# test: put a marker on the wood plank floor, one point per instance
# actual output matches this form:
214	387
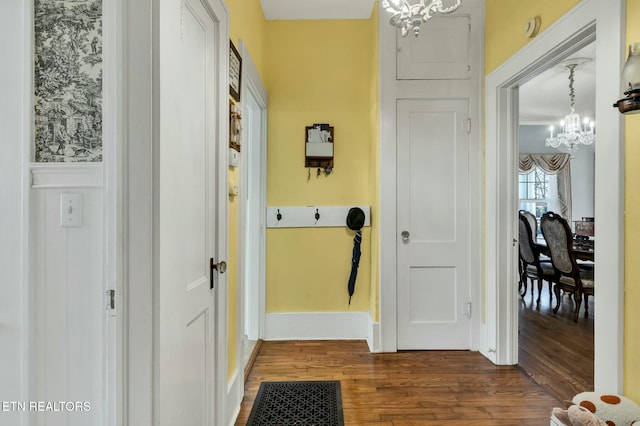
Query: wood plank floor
442	387
555	351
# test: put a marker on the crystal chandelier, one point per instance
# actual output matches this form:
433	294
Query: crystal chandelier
574	131
410	14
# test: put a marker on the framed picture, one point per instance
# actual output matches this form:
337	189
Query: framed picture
235	71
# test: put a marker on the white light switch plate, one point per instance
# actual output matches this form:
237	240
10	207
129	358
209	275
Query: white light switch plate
70	210
234	158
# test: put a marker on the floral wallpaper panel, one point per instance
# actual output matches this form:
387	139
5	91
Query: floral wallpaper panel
68	80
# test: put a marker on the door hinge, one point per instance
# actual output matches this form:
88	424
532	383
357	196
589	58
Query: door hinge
468	125
111	299
469	309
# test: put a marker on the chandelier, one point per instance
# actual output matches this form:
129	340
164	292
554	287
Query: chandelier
574	131
410	14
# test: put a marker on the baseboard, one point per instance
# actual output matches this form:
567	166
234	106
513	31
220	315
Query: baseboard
317	326
252	360
373	336
235	392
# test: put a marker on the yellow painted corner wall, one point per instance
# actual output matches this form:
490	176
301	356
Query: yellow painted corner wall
232	281
504	20
632	230
374	190
318	72
246	23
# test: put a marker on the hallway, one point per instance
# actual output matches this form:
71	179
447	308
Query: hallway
406	388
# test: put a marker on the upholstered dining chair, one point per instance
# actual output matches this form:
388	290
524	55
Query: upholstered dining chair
531	268
569	277
533	222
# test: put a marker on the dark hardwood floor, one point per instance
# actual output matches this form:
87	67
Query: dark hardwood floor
555	351
443	387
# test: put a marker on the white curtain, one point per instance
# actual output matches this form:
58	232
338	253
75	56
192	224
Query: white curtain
554	164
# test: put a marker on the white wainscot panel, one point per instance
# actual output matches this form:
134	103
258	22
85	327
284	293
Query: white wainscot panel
69	316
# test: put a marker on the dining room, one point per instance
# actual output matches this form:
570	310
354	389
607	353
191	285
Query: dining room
556	181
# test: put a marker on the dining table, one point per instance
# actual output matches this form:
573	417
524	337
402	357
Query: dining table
582	249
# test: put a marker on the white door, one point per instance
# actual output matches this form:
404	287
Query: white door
433	291
186	228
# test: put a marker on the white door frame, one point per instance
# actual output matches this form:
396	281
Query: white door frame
571	32
251	83
114	171
138	329
391	90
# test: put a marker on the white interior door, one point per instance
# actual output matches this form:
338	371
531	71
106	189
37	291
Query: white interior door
187	197
433	291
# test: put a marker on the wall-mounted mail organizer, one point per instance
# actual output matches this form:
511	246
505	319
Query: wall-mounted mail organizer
318	146
311	216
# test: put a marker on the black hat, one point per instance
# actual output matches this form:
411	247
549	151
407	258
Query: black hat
355	218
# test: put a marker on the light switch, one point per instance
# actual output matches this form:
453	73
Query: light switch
234	158
70	210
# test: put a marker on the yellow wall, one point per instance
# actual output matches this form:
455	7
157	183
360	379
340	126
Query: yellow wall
374	189
246	23
318	72
632	230
504	37
505	21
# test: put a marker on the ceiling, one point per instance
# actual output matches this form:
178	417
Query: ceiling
545	98
317	9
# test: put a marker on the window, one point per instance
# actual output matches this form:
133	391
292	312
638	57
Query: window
536	192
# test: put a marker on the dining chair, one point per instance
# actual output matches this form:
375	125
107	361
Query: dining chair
568	277
533	222
531	267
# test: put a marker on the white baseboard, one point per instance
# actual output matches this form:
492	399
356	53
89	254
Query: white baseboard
373	336
235	393
317	326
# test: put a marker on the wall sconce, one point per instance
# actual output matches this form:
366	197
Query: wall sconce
631	80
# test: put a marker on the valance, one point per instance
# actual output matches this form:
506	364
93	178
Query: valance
555	164
550	163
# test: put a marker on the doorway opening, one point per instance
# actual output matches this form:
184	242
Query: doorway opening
572	32
553	350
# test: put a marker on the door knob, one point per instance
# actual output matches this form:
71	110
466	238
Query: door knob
405	236
220	267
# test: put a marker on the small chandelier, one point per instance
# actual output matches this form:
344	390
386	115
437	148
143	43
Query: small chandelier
410	14
574	132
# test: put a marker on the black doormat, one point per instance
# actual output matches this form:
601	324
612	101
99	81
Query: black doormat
317	403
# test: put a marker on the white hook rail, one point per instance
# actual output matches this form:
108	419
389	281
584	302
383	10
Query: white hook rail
305	216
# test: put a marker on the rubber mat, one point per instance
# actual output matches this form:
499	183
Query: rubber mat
315	403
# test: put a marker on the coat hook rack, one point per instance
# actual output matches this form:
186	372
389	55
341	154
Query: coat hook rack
310	216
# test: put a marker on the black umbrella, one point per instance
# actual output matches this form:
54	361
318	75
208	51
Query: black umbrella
355	221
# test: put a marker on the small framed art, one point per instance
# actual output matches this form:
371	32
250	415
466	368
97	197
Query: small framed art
235	72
